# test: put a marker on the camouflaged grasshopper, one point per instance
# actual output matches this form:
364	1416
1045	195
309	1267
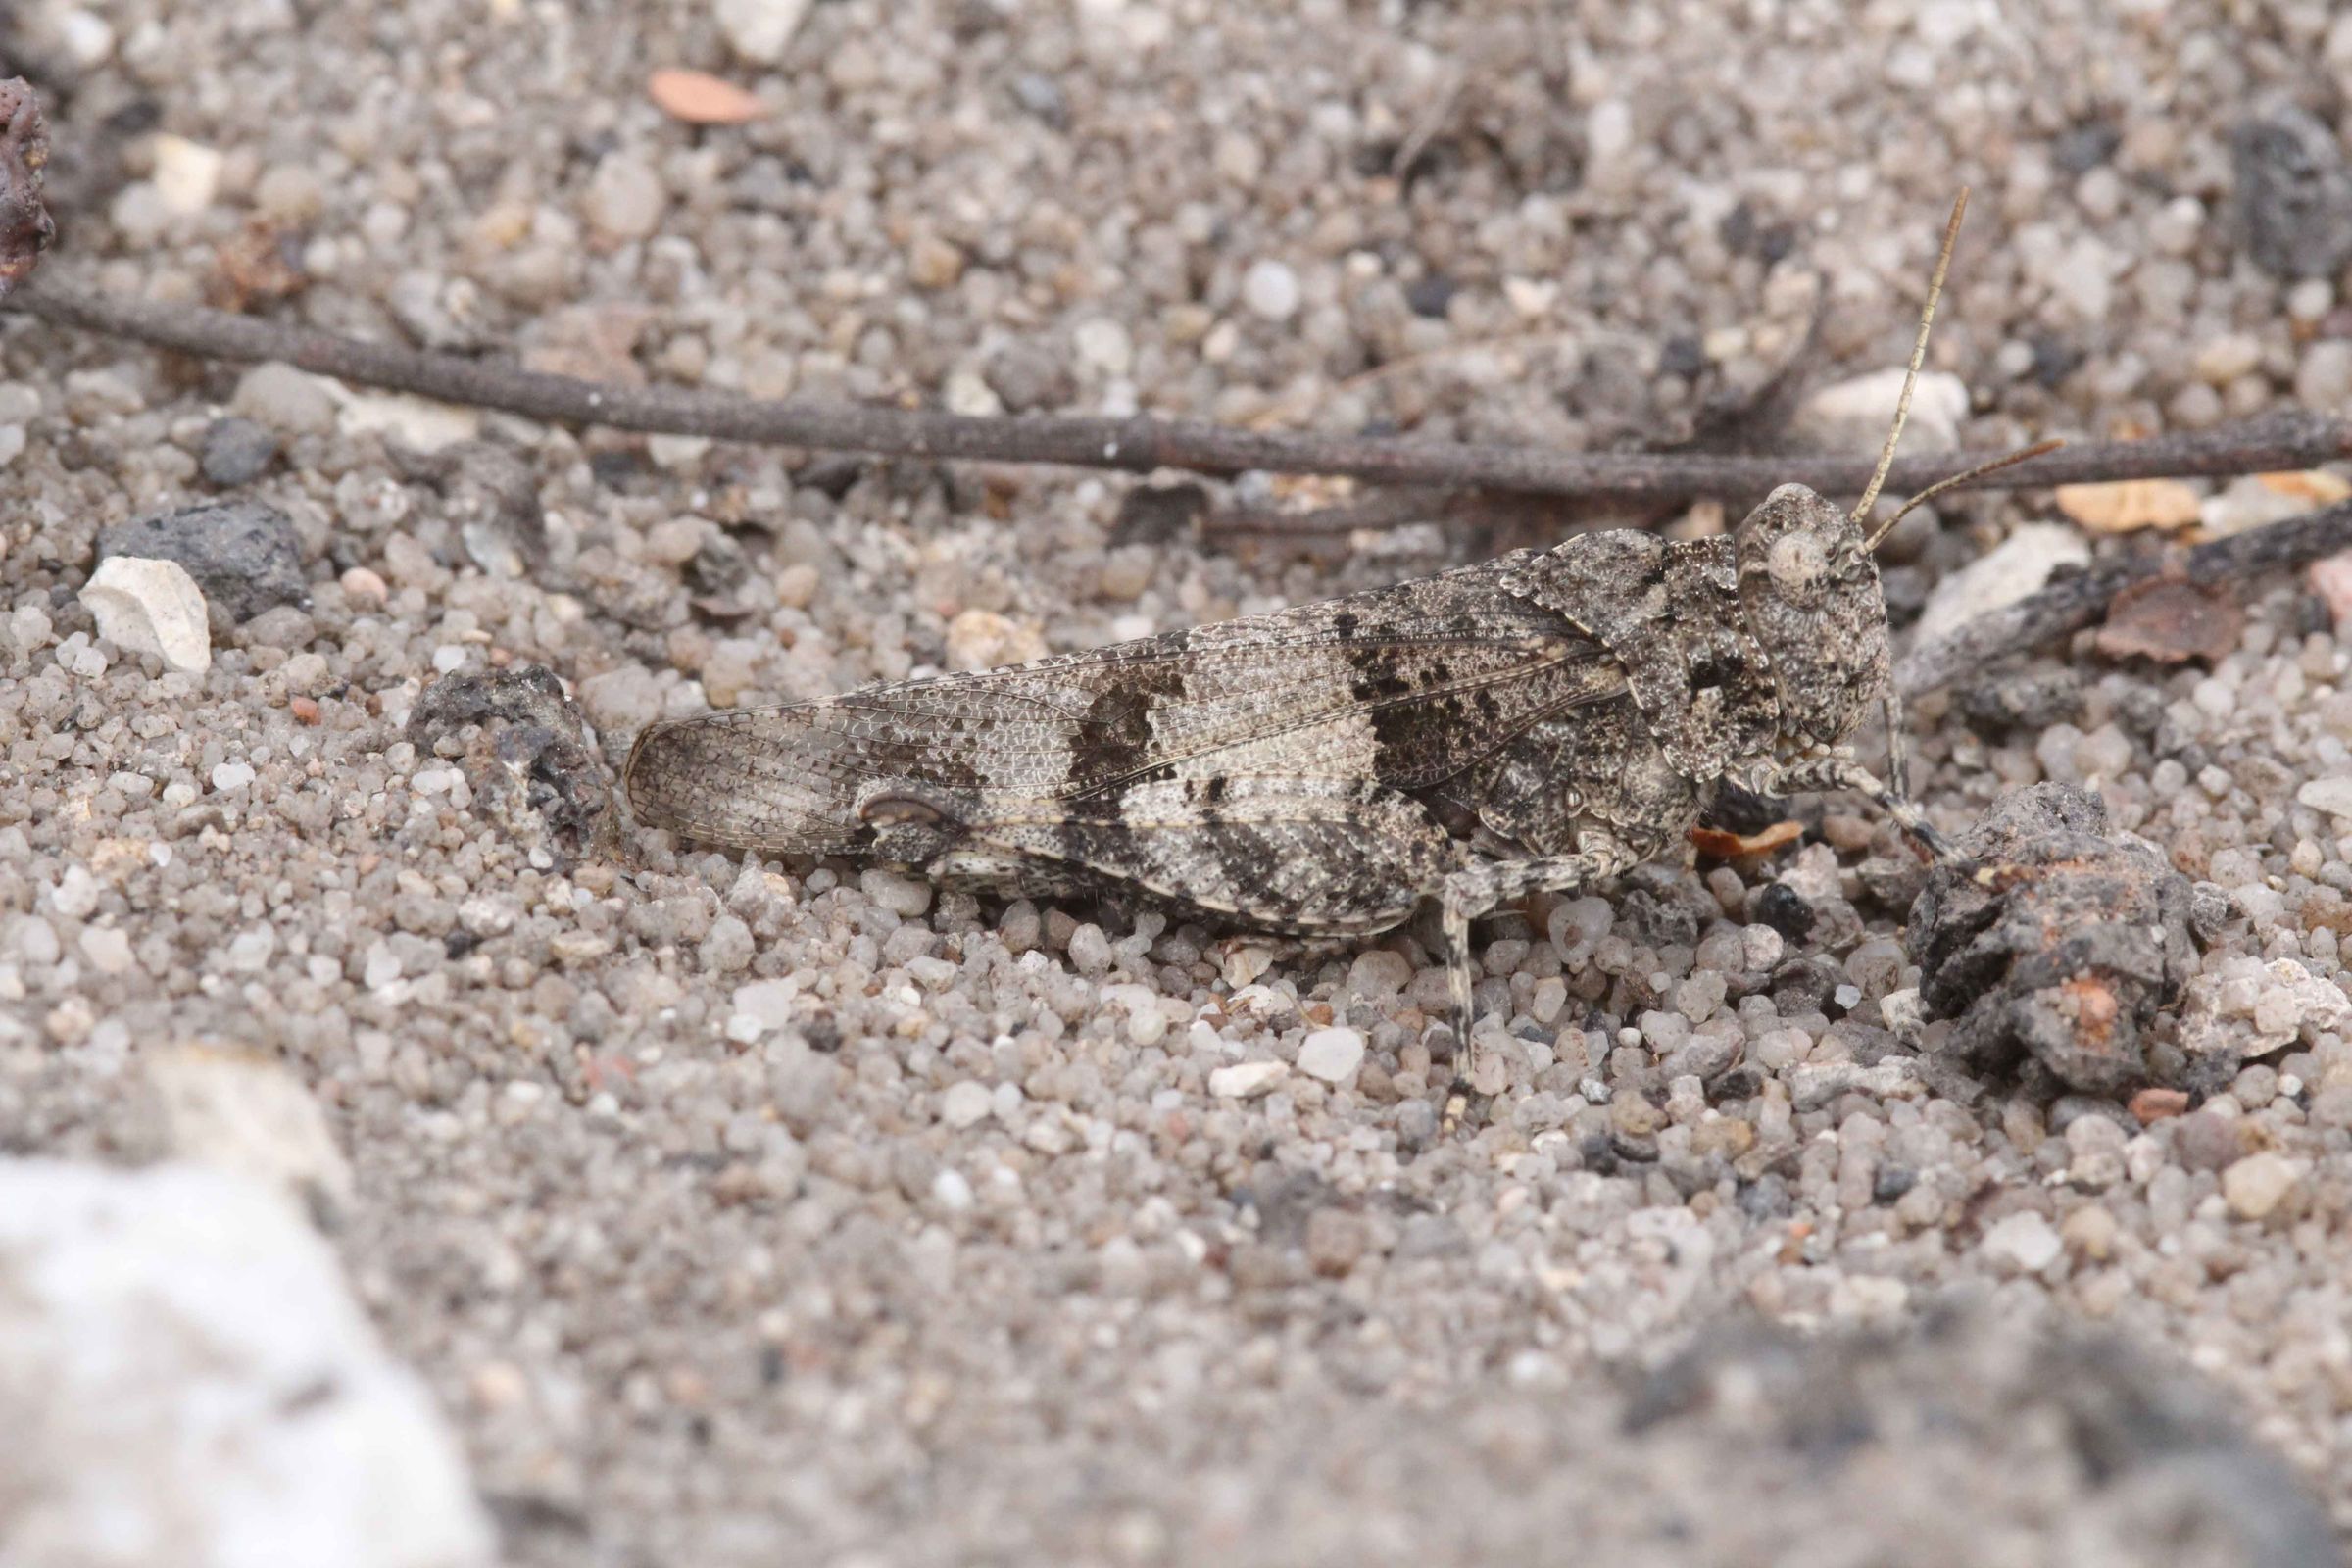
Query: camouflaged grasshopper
1539	722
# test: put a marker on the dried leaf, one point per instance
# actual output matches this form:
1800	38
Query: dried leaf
2130	504
2315	485
701	99
2171	621
1725	845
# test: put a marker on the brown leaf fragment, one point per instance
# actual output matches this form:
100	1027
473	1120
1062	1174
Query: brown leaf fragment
2130	504
2171	621
26	228
1725	845
701	99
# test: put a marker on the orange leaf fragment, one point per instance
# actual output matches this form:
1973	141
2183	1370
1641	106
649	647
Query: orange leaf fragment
2315	485
701	99
1725	845
2130	504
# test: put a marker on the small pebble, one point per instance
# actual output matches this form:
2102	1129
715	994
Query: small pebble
2331	794
965	1104
1090	950
236	451
1245	1079
758	30
903	896
285	399
2023	1242
1332	1055
1271	290
2257	1184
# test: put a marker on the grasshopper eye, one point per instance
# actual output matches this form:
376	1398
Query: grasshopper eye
1796	560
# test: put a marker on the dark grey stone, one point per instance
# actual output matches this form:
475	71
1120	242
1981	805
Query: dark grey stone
236	452
243	554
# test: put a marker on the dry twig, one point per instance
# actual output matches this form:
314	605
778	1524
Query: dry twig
2074	603
2289	440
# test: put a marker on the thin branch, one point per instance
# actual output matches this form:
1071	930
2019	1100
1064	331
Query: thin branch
2074	603
2289	440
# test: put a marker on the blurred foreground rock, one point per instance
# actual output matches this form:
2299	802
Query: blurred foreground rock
186	1383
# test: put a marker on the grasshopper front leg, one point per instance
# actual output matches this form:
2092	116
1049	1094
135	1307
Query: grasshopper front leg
1479	890
1832	772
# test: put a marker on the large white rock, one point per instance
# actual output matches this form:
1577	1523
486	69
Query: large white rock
2020	564
151	607
242	1112
185	1383
1854	415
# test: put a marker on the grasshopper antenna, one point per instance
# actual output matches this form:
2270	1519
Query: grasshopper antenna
2037	449
1919	356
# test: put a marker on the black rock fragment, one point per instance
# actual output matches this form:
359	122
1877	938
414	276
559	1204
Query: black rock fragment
2046	940
243	554
235	452
527	758
2294	194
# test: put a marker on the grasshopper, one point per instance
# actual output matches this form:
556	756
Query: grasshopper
1541	722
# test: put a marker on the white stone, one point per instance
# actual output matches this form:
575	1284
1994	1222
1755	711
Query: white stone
2024	1242
185	1378
250	949
228	776
2019	565
1856	415
2256	1185
417	423
89	39
2330	795
625	197
1244	1079
1332	1055
903	896
285	399
763	1006
965	1104
758	30
75	898
1271	290
951	1192
187	173
108	948
1103	344
151	607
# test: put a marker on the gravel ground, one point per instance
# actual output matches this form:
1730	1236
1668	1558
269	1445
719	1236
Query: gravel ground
746	1212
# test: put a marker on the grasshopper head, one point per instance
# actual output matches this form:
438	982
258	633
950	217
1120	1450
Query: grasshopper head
1809	592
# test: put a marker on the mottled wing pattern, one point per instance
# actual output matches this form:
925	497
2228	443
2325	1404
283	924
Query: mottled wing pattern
1308	855
1403	686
